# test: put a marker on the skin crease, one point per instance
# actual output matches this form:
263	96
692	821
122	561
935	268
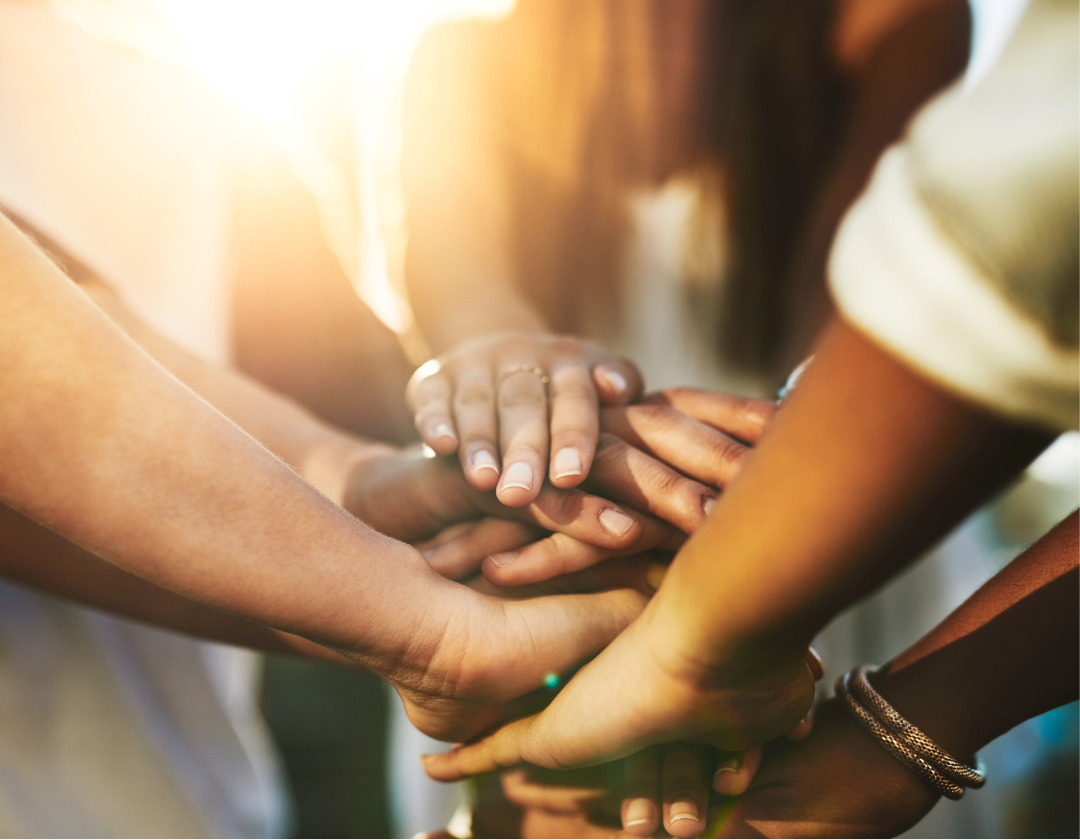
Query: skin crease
866	465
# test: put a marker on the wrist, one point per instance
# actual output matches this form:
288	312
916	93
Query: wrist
940	705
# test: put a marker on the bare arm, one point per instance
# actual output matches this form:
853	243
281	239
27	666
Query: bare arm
101	445
1006	654
866	465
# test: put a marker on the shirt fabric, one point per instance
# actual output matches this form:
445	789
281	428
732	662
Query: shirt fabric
961	258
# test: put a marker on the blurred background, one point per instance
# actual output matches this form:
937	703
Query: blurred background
324	81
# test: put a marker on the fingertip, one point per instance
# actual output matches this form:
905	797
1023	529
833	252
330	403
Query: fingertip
817	666
482	470
567	468
619	525
441	438
640	816
518	485
611	385
684	823
802	730
729	780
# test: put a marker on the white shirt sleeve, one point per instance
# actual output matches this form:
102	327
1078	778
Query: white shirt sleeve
961	256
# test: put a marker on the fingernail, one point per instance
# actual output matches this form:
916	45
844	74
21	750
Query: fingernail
567	462
708	505
484	460
731	764
655	575
504	559
616	522
428	553
684	811
518	475
615	380
638	812
443	430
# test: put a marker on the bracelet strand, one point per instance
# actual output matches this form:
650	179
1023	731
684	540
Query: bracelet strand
895	745
955	770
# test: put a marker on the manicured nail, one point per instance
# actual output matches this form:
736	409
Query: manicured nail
616	522
615	380
638	812
443	430
484	460
567	462
684	811
708	505
518	475
655	575
505	558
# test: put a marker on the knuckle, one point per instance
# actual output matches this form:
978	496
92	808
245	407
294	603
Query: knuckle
474	393
518	397
728	456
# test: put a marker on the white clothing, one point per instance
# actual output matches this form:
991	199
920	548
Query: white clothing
961	258
108	727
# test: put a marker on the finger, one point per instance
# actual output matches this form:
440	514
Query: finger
575	424
559	554
586	517
503	748
464	550
735	771
692	447
431	407
625	473
746	418
802	729
684	784
813	660
523	434
618	381
641	805
477	429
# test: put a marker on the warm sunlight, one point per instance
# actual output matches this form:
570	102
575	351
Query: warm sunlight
269	55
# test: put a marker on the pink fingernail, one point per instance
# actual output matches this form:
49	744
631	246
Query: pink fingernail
616	522
638	812
443	430
687	811
615	380
518	475
709	505
566	462
505	558
484	460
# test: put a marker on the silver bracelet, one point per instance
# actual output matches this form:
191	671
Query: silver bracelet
921	755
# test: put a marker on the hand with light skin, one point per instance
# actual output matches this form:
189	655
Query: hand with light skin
102	446
669	456
488	400
865	466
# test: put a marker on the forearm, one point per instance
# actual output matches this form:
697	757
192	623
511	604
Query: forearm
103	447
1006	654
34	556
321	453
866	465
